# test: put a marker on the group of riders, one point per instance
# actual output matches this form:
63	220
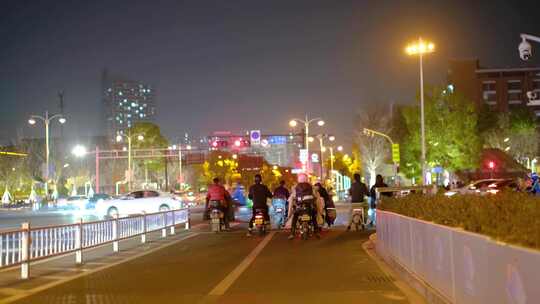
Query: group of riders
314	197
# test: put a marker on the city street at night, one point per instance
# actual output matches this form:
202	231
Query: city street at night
248	151
203	267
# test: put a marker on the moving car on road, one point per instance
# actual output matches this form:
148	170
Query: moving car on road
137	202
484	186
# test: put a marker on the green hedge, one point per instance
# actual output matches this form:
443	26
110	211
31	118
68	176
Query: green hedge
510	217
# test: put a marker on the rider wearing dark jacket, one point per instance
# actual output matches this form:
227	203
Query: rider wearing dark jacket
259	193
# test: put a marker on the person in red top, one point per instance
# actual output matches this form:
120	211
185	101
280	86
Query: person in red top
216	192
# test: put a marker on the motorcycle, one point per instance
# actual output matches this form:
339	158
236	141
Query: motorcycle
216	216
304	225
260	223
278	206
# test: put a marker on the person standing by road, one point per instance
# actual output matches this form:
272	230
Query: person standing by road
357	192
259	194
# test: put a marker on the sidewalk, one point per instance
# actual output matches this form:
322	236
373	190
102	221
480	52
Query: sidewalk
54	271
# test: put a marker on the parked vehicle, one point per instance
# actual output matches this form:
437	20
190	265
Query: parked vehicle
137	202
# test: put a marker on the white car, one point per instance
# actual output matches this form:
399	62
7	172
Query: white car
137	202
476	187
72	202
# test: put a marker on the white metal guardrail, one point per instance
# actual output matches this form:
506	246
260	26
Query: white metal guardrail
463	267
22	246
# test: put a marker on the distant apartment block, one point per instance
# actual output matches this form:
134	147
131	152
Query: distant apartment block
126	102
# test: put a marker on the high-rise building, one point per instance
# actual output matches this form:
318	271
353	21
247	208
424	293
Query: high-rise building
126	102
498	88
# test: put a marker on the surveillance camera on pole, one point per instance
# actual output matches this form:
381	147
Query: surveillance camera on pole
525	48
534	98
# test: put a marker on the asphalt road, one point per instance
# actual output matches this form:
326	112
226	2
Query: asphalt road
233	268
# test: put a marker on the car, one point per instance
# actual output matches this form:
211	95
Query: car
98	197
137	202
71	202
477	187
502	185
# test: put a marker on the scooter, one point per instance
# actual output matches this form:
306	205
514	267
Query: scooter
260	223
278	206
358	217
216	216
304	225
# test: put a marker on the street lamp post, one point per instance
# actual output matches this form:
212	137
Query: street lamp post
420	48
339	148
321	137
129	136
81	151
46	121
180	164
370	132
306	122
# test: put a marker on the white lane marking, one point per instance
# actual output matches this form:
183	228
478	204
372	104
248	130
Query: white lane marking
222	287
82	274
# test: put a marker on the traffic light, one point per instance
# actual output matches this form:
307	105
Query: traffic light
491	165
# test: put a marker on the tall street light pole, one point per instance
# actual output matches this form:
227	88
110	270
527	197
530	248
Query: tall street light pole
321	137
46	121
420	48
339	148
129	136
294	122
180	163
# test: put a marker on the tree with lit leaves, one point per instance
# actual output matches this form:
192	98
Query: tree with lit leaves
514	132
152	139
374	150
452	139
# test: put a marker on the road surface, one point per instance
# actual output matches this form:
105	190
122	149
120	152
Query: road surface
203	267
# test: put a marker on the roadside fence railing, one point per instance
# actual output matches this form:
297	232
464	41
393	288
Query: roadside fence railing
28	244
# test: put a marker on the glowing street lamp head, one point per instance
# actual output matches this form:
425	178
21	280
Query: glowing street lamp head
340	148
237	143
293	123
311	139
140	138
332	138
118	138
62	120
320	123
323	149
235	156
79	151
32	121
188	147
420	47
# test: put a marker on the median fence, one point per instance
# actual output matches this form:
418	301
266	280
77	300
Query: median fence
28	244
463	267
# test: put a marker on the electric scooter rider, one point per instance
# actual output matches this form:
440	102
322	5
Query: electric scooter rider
303	191
259	193
281	192
217	193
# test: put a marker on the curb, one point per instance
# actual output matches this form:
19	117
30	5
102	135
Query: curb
430	295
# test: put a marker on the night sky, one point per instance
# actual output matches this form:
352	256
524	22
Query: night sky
240	65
